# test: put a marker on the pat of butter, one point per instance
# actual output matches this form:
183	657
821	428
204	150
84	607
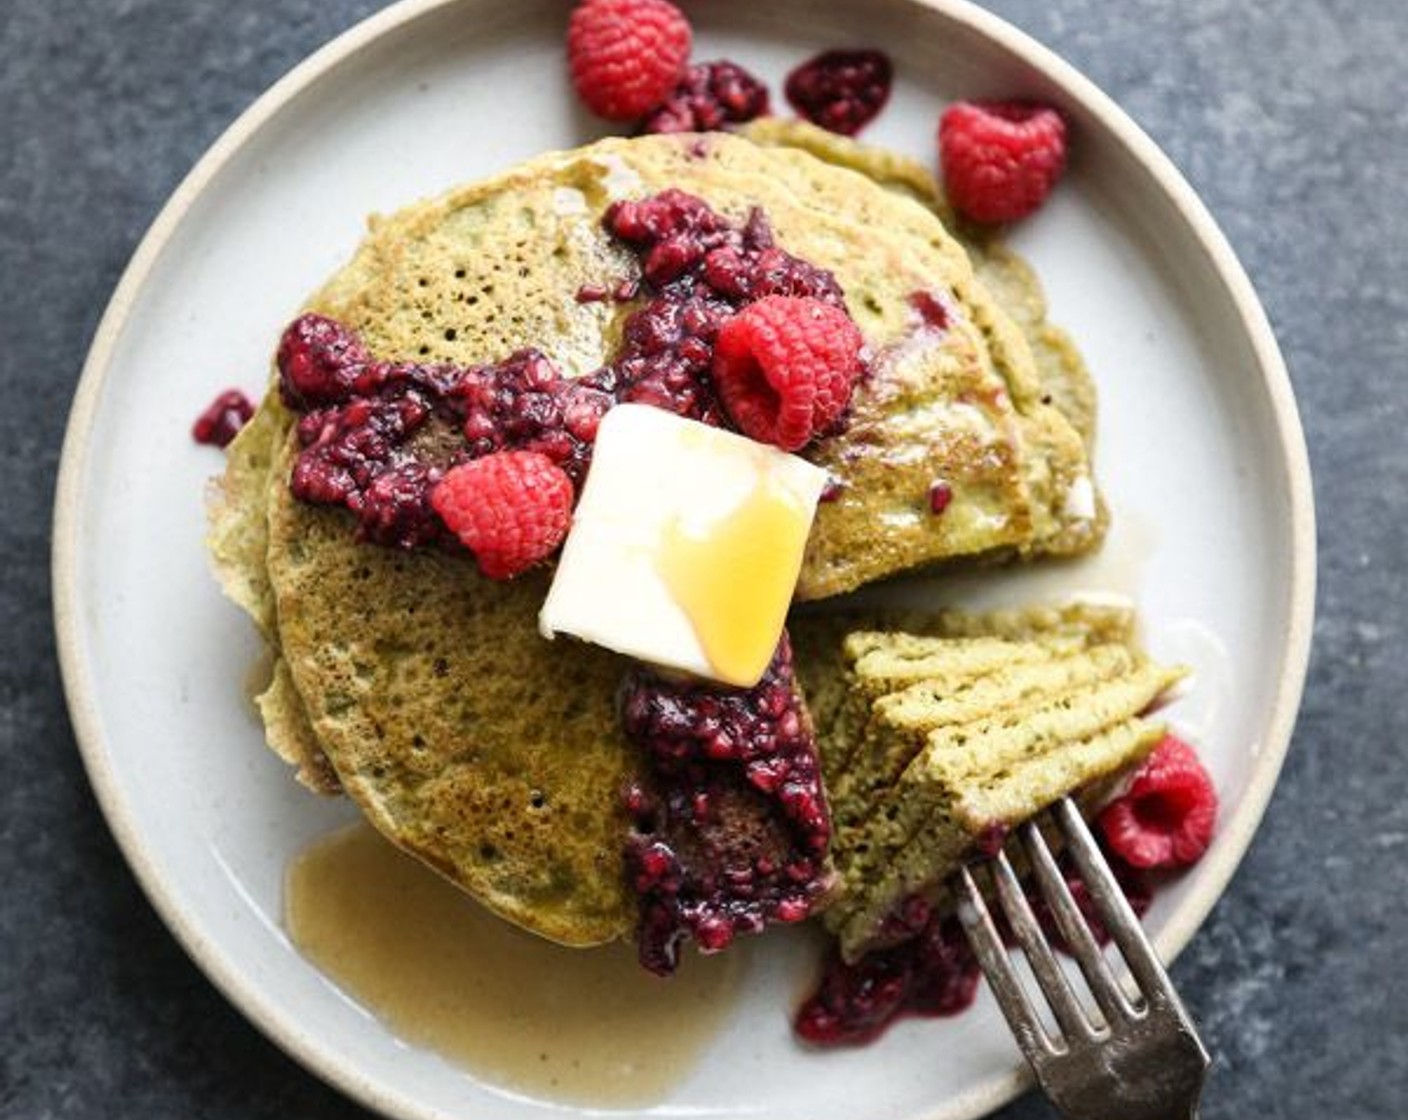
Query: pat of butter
685	546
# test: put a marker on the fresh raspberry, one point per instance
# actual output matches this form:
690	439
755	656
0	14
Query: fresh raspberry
626	55
710	96
1166	818
511	509
785	367
841	91
1000	158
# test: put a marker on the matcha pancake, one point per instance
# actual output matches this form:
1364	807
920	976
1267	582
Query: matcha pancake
954	399
894	720
910	669
819	638
947	744
458	739
978	809
935	752
1007	278
424	690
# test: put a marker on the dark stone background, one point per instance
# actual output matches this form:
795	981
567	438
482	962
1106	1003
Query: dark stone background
1288	118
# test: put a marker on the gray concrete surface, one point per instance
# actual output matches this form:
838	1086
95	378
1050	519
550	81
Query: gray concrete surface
1288	118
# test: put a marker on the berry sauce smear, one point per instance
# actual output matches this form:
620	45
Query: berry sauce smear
710	96
934	973
377	436
699	269
925	967
731	829
841	91
222	419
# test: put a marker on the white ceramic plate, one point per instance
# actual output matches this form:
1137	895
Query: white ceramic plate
1201	457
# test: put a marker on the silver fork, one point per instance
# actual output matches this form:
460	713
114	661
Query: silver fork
1140	1058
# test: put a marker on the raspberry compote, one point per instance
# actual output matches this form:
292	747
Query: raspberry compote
222	419
731	828
925	967
376	436
710	96
933	973
841	90
698	269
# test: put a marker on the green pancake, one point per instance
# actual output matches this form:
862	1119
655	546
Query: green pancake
1008	279
968	725
423	690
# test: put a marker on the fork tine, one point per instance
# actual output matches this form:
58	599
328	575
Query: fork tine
1049	976
1138	1066
1110	901
1071	922
997	968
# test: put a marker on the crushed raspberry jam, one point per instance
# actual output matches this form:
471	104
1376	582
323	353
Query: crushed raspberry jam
842	90
376	436
934	973
926	967
222	419
934	309
731	828
993	836
699	269
710	96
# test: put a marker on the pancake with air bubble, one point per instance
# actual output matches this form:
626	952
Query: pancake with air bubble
425	689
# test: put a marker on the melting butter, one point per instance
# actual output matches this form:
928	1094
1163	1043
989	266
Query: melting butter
579	1026
734	577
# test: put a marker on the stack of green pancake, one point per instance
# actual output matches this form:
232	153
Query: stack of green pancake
425	692
940	741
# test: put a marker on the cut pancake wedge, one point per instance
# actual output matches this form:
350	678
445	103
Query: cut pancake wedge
959	732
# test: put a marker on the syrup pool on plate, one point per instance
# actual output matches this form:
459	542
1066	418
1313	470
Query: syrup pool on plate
581	1026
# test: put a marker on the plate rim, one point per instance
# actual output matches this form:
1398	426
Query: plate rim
1236	831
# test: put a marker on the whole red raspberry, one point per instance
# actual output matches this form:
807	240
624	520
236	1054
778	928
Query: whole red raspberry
785	367
1000	159
626	55
1166	819
511	509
